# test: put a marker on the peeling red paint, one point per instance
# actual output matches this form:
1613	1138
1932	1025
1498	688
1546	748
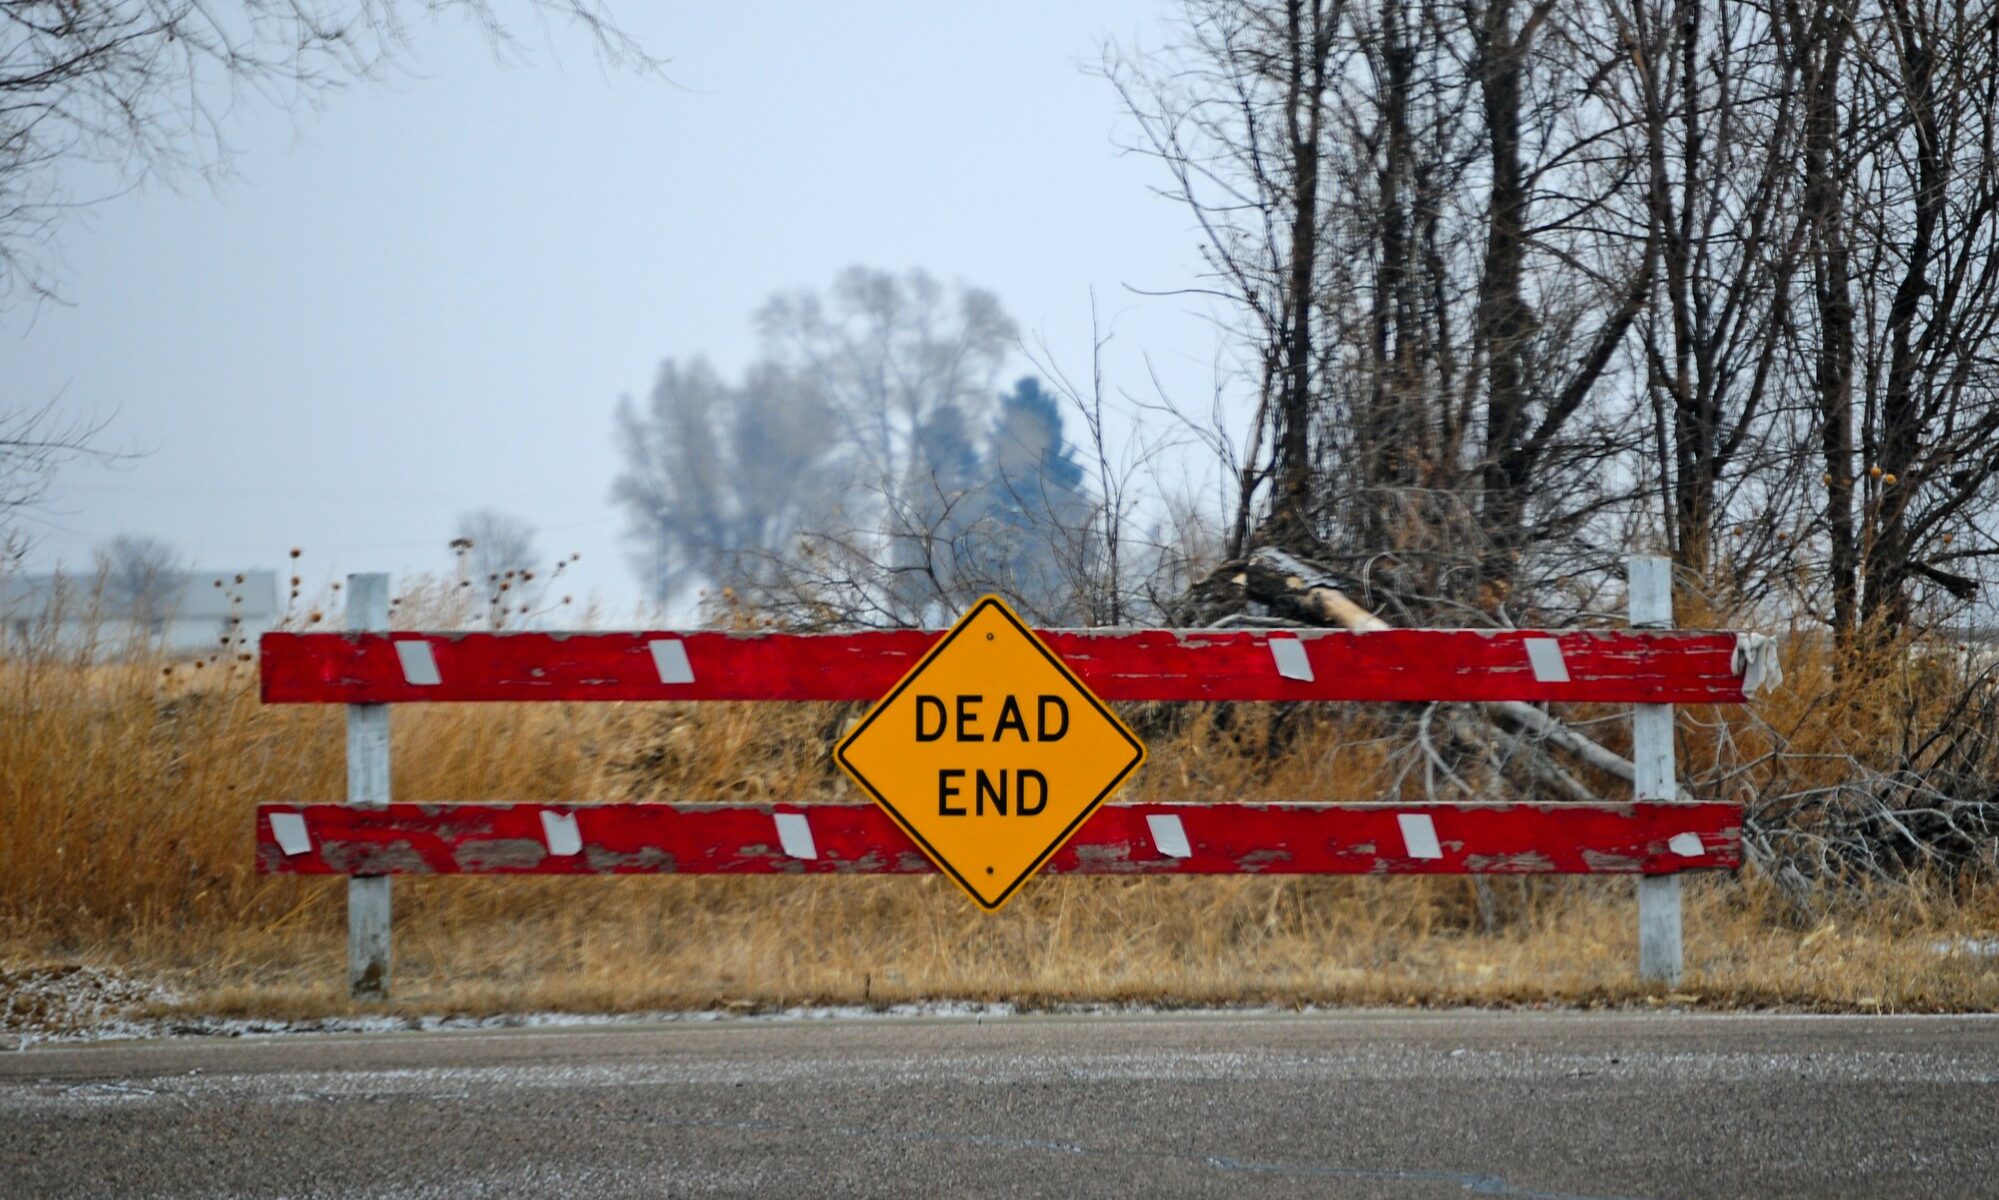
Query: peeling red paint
494	855
1599	861
1224	839
1530	862
650	860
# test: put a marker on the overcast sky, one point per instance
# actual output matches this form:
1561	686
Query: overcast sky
428	296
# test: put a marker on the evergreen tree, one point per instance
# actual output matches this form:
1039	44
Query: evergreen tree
1038	511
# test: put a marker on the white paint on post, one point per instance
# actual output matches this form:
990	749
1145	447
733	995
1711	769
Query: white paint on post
1289	655
1419	835
1169	835
1659	947
560	832
1686	845
290	830
419	664
794	836
1655	778
1544	655
669	658
368	787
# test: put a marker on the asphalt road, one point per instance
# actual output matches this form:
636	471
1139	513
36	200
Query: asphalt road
1342	1104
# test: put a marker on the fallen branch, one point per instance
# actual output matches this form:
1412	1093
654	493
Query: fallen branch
1278	578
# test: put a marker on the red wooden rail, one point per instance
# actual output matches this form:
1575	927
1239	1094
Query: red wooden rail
1634	667
1119	839
1652	667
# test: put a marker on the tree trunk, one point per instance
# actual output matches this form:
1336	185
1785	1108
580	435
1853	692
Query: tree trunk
1820	43
1885	601
1291	519
1504	323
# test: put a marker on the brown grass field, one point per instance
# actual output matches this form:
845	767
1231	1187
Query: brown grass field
126	797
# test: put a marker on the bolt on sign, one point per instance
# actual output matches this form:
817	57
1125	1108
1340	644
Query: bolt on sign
990	753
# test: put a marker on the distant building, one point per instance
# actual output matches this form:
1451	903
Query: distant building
185	613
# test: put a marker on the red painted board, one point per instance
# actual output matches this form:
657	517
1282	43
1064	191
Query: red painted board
1628	667
1119	839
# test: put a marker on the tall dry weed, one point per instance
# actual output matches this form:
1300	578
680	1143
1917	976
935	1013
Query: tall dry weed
127	791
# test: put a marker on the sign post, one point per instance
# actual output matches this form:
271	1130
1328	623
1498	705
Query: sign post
368	787
990	753
1655	778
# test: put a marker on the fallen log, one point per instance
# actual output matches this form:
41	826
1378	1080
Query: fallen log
1280	579
1277	578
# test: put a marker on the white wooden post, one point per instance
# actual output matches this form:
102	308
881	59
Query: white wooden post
1655	778
368	785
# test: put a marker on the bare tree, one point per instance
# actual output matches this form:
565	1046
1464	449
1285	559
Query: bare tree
1713	276
719	479
909	370
496	544
1928	199
1414	207
1820	37
497	560
144	576
98	95
868	470
1889	339
33	443
900	361
1236	113
1723	127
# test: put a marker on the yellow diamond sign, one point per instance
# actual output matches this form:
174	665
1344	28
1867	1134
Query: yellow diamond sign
990	753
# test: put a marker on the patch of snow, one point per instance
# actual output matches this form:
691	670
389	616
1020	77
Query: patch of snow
114	1028
44	1003
1970	947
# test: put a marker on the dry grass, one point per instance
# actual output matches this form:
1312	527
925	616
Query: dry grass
126	794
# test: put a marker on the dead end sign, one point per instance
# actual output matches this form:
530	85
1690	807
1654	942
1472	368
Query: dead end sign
990	753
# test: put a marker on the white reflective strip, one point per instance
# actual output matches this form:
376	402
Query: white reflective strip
289	829
1169	835
669	658
794	833
1686	845
1291	661
1545	656
419	664
560	832
1419	835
